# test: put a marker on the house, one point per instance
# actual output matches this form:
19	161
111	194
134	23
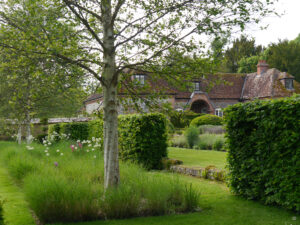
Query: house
265	83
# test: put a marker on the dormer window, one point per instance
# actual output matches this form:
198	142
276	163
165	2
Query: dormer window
196	86
289	84
139	79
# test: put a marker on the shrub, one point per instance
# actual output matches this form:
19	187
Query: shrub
143	139
192	136
40	138
207	119
95	129
76	131
167	163
218	145
211	129
264	150
54	129
182	119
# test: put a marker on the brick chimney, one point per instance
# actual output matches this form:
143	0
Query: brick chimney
262	67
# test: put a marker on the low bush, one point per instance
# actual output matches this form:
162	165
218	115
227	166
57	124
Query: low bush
167	163
192	136
264	150
211	129
53	131
41	137
207	119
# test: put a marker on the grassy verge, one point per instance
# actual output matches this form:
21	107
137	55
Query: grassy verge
198	158
16	210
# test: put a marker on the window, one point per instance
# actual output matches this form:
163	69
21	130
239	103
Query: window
289	83
196	86
219	112
139	79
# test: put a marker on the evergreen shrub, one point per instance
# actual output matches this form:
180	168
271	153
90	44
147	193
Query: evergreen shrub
264	150
207	119
143	139
77	131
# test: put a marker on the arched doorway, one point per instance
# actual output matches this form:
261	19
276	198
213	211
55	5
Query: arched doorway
200	106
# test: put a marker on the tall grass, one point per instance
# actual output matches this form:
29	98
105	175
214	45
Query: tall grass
69	187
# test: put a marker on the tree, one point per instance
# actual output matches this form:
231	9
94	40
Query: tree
121	34
241	48
285	56
31	86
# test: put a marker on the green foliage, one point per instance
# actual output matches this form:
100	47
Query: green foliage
95	129
143	139
1	212
76	131
54	129
211	142
264	150
242	48
248	64
73	190
41	137
211	129
207	119
182	119
192	136
179	141
285	56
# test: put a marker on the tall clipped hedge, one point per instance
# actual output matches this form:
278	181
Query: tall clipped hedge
143	139
77	131
264	150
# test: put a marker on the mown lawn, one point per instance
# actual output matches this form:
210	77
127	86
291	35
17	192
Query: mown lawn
198	158
218	205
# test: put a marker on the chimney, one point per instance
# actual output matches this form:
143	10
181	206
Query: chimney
262	67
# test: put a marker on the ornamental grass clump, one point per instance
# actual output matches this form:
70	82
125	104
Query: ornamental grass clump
69	187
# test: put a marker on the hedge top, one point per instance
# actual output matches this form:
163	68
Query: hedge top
207	119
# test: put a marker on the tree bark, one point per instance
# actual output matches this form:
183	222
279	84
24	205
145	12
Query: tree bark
110	102
28	129
19	136
111	153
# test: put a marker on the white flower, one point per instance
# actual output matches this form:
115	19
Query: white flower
57	150
93	149
95	156
93	138
61	154
47	154
78	141
46	150
87	150
75	147
89	145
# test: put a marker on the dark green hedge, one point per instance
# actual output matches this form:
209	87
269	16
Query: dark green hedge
264	150
77	131
143	139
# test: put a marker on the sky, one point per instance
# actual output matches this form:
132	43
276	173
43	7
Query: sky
284	27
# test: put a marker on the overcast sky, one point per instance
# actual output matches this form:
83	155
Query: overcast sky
285	27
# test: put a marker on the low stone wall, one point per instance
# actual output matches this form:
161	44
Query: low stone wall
210	172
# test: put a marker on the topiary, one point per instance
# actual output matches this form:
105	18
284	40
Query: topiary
207	119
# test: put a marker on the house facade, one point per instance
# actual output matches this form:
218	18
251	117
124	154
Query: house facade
230	89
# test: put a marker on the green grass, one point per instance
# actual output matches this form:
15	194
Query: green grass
219	207
16	211
198	158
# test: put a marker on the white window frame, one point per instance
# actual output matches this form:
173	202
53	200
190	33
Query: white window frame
219	112
196	86
289	83
139	79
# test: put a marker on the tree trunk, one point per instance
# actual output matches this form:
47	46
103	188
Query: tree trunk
110	102
19	136
111	153
28	129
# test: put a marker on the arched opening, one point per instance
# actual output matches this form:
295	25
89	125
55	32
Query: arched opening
200	106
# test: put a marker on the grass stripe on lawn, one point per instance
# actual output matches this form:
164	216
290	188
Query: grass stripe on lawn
16	210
